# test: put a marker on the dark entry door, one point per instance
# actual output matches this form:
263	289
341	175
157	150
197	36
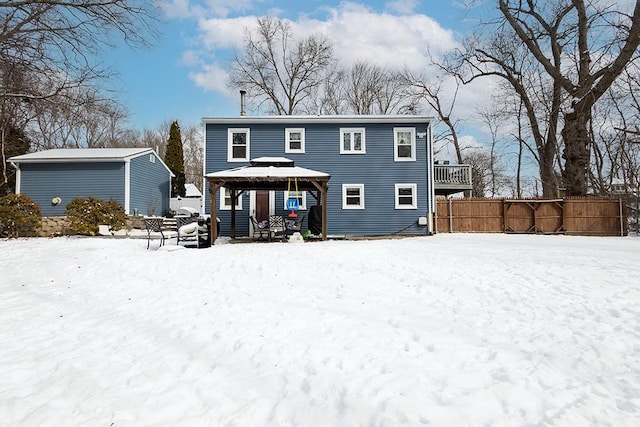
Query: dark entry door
262	205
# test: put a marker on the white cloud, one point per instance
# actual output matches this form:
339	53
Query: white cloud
211	77
221	33
357	32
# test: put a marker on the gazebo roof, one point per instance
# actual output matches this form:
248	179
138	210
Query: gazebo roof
268	173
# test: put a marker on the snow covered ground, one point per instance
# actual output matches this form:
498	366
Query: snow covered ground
448	330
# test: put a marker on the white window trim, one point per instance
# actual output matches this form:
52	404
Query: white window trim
344	196
414	196
223	207
303	197
287	146
230	133
413	145
352	131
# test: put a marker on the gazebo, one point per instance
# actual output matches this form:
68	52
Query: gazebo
267	173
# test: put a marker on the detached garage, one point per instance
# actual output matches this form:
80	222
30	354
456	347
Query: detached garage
135	177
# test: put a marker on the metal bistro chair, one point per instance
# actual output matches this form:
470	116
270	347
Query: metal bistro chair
259	233
155	226
293	225
276	227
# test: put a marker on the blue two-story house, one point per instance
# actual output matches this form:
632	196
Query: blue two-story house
372	174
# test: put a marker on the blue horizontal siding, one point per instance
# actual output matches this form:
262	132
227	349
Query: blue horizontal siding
150	186
376	170
44	181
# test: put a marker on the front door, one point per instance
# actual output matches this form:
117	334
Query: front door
262	205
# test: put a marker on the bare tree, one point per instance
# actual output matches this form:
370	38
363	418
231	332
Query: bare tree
193	155
540	99
433	90
616	129
48	51
79	118
58	39
480	171
493	120
156	138
365	88
582	47
280	71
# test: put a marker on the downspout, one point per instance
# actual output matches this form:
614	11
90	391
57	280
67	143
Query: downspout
18	176
203	201
433	212
127	186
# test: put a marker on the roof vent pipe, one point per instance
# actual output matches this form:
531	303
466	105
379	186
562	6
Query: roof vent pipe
242	96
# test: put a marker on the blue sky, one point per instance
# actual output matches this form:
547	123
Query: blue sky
183	75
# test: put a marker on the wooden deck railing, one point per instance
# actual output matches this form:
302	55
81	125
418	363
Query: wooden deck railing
452	178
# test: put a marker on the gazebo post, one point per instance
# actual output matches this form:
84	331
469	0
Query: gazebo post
213	189
323	198
234	198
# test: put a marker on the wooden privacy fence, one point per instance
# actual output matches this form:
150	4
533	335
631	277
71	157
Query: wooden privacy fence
580	216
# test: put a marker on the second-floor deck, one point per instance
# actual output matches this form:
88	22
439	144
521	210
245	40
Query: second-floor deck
450	179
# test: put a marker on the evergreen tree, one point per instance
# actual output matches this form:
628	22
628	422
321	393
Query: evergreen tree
174	159
13	142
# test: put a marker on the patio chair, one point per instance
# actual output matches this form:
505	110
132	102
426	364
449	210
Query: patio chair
293	225
156	229
276	227
259	233
189	231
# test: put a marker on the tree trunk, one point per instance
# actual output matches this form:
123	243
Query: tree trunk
547	171
576	151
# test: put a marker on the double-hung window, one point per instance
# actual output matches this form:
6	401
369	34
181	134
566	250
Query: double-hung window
406	196
404	144
225	200
294	140
352	141
352	196
238	145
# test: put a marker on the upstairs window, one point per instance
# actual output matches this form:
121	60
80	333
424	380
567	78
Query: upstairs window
238	145
294	140
225	200
352	196
352	141
404	141
406	196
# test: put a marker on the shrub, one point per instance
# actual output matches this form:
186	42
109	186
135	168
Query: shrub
18	215
85	214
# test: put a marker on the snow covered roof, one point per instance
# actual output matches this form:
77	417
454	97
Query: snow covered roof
277	172
81	155
192	191
268	168
321	119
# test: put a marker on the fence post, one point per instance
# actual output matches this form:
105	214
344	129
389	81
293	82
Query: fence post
621	219
450	216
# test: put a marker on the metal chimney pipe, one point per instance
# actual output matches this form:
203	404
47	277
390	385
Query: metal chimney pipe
243	93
